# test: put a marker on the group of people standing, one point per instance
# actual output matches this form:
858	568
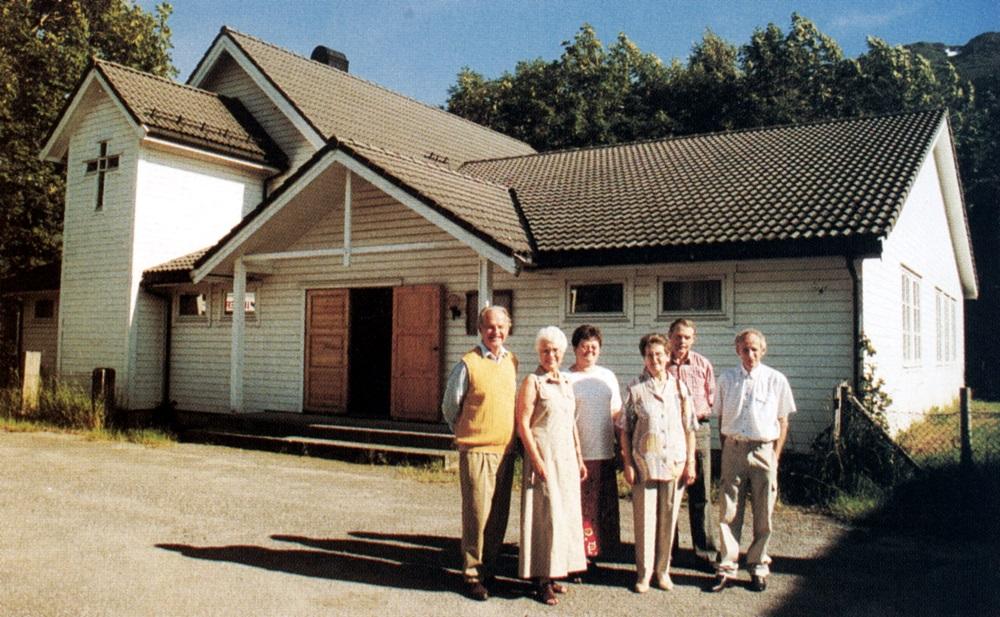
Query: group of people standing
567	423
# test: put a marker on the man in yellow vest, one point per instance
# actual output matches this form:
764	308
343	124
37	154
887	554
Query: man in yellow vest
479	406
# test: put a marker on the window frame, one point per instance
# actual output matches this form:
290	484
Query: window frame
946	327
723	314
501	297
625	315
911	325
203	319
249	318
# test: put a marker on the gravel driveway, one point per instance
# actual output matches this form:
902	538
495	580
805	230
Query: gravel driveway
89	528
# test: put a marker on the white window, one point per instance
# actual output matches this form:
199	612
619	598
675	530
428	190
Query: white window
597	299
911	317
946	327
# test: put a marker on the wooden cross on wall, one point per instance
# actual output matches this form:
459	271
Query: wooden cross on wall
101	165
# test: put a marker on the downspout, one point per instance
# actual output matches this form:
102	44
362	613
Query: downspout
856	362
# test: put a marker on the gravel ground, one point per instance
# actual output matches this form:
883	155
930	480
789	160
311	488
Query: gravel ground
89	528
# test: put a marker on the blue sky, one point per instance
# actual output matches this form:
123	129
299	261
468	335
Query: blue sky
416	47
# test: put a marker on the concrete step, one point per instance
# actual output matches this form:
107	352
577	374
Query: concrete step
347	450
382	436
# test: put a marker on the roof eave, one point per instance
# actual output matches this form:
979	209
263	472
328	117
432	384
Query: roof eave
852	246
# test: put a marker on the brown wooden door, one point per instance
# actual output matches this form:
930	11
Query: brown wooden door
416	352
326	350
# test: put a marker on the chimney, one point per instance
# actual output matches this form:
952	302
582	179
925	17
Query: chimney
332	57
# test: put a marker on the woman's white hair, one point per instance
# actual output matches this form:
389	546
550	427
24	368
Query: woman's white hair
551	334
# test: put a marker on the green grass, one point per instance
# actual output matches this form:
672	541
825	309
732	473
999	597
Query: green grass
67	408
936	439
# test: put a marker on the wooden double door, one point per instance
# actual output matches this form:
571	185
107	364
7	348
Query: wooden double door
374	352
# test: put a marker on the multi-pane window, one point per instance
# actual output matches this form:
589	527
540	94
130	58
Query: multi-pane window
911	317
946	327
596	299
249	304
501	297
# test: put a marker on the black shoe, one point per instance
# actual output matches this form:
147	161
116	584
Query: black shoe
758	583
719	584
477	591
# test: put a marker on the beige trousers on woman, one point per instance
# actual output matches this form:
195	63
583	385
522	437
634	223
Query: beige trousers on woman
655	506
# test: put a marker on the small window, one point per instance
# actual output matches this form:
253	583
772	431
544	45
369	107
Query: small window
501	297
596	299
45	308
249	304
91	167
703	296
192	305
946	327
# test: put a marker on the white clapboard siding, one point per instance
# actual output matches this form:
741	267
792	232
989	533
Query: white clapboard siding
41	334
920	243
94	297
227	78
812	345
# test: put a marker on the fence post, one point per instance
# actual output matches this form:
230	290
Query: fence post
31	384
964	397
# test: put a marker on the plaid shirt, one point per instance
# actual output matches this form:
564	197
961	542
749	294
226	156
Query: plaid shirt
697	374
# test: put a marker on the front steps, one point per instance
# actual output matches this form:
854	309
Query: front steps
343	438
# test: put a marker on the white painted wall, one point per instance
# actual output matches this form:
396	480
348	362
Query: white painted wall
95	285
802	305
920	243
229	79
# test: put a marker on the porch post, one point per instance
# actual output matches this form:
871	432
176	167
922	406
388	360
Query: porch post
347	218
485	283
238	340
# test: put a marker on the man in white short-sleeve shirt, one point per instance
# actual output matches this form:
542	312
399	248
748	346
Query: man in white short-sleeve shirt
753	402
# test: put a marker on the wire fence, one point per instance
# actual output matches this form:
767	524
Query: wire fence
967	436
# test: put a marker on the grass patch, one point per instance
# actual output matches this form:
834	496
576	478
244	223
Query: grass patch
935	440
67	408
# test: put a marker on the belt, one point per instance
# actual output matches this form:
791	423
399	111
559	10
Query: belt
742	439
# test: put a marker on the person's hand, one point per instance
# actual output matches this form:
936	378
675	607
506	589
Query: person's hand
538	471
583	471
689	474
630	475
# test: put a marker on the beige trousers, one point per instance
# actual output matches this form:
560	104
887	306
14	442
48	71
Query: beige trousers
485	480
748	469
655	506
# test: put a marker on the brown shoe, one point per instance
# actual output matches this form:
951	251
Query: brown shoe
477	591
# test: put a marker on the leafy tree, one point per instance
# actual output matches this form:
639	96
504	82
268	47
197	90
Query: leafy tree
45	46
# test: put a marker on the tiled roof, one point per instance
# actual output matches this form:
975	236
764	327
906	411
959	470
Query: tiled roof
174	271
480	205
192	116
833	179
342	106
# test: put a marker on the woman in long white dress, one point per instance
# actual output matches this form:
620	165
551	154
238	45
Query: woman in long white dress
551	520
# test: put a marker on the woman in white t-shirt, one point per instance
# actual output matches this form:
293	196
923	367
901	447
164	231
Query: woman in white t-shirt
598	405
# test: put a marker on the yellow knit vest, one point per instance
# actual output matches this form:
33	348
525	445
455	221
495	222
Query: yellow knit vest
486	422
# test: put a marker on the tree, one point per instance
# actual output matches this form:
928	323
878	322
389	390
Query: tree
45	46
590	95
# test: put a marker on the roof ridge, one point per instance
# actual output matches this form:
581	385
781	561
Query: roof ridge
756	129
420	161
227	29
165	80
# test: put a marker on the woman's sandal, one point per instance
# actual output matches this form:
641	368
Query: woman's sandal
547	594
558	587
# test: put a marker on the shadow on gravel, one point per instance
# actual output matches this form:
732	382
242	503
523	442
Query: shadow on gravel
346	560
